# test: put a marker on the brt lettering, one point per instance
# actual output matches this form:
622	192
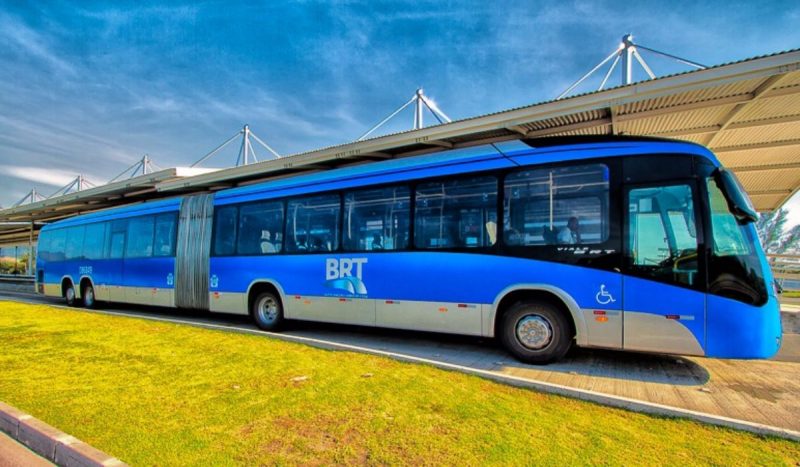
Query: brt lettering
338	268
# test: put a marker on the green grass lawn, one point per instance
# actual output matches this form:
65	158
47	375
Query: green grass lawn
156	393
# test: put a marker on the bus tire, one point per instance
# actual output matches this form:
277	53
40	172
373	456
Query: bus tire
69	294
87	296
536	332
267	311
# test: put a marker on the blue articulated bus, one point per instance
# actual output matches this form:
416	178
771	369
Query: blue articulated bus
618	243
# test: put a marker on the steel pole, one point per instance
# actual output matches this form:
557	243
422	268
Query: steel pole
30	250
245	148
627	52
418	113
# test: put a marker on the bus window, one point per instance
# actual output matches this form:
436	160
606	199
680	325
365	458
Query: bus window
116	241
557	206
94	241
662	235
312	224
456	213
164	242
140	237
74	248
377	219
225	230
260	228
58	244
43	245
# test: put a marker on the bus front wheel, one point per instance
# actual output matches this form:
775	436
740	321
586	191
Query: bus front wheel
267	311
536	332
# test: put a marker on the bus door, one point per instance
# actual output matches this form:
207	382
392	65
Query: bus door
663	302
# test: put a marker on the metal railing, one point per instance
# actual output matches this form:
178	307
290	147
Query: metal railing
786	269
16	278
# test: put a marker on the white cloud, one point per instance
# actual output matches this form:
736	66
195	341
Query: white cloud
54	177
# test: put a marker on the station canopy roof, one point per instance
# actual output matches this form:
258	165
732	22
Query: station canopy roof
747	112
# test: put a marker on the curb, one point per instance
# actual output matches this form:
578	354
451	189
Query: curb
51	443
620	402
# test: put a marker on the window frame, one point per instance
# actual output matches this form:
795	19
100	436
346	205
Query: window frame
410	220
213	248
174	240
498	175
68	230
106	233
339	226
239	206
608	204
152	236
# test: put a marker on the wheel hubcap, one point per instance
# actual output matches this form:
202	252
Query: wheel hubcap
267	310
534	332
70	294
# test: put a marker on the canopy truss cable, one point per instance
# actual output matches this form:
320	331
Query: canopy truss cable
143	166
421	101
32	197
247	153
626	52
78	184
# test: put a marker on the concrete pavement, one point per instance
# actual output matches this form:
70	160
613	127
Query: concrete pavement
13	454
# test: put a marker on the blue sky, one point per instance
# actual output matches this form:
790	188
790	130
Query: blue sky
90	87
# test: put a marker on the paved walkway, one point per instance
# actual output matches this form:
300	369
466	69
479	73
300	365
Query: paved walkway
13	454
760	391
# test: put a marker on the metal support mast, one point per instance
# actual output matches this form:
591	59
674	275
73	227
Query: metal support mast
32	197
80	183
626	52
143	166
420	101
246	150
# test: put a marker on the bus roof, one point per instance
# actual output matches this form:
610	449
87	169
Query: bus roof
459	162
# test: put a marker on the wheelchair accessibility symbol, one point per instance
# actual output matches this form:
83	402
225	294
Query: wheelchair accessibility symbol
603	297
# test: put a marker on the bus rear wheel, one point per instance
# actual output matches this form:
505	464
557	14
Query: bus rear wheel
267	311
69	294
88	296
536	332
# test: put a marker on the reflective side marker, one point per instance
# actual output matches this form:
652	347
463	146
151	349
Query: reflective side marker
442	309
673	316
599	312
602	319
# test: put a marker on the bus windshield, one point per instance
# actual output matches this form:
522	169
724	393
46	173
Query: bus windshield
738	201
734	267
